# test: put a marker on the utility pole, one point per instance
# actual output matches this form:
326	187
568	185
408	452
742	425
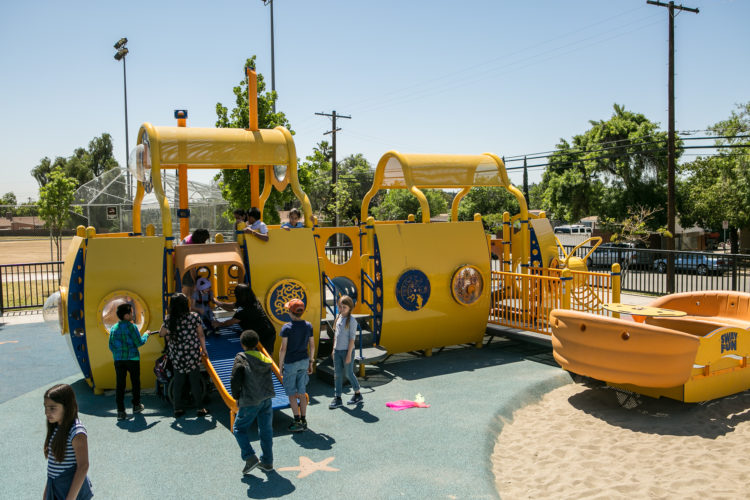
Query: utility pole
671	141
334	171
273	69
525	181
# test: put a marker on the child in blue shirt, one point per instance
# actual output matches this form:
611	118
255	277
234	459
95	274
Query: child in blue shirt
124	341
294	220
296	362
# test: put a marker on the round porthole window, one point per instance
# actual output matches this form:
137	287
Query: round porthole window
107	312
467	285
338	248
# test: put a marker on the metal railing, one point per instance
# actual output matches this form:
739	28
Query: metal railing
644	270
524	301
339	254
24	286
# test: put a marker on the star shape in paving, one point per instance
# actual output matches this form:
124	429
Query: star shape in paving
307	466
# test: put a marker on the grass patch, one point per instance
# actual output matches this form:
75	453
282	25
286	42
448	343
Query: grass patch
27	294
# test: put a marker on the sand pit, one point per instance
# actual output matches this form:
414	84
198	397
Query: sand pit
591	442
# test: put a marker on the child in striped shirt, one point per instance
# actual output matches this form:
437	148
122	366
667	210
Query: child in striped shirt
65	447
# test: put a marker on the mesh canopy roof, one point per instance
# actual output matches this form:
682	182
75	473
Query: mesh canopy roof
440	171
110	188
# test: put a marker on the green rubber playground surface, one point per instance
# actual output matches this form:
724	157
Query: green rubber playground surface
369	451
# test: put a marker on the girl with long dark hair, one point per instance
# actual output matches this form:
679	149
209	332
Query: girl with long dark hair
65	447
249	314
185	344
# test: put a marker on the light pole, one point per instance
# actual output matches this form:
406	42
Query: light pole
273	69
122	51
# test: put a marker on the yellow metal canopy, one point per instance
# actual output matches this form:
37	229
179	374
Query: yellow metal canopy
414	171
216	147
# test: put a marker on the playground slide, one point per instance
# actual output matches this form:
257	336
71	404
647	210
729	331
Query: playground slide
222	348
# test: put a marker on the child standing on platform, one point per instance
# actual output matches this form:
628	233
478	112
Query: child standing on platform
294	220
65	447
124	341
345	332
252	387
296	363
203	302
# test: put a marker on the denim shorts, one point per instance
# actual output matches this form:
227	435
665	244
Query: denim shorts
296	377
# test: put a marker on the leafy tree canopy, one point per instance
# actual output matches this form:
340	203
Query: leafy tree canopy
9	199
235	184
355	177
616	164
83	165
717	188
398	204
55	199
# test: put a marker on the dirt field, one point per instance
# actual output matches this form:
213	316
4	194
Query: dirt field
15	250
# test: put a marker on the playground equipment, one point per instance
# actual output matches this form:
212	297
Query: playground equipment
691	347
103	270
408	296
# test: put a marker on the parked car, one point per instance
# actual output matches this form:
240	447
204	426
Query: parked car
609	253
700	263
573	229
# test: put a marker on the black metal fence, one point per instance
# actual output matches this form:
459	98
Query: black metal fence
339	254
644	270
25	286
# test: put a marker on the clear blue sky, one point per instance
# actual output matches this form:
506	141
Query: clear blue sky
507	77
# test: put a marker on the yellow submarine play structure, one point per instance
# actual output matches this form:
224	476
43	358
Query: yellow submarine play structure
417	285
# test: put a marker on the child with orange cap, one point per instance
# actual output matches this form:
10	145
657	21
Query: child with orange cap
296	361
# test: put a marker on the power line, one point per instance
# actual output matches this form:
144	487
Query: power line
333	115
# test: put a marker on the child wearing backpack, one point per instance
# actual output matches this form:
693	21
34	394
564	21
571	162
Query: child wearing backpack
252	388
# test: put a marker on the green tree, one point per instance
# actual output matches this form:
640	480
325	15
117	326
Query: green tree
235	184
487	201
355	177
315	177
8	199
616	164
634	228
717	188
398	204
83	165
55	200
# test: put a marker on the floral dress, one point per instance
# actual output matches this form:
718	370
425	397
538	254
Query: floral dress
184	348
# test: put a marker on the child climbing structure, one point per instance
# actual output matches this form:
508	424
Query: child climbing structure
416	285
143	268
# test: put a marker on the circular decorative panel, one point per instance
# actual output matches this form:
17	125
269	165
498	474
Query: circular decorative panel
413	290
282	292
467	285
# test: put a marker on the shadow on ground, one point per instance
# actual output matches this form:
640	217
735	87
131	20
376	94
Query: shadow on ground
663	416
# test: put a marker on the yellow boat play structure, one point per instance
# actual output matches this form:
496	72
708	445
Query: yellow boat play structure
689	346
409	296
